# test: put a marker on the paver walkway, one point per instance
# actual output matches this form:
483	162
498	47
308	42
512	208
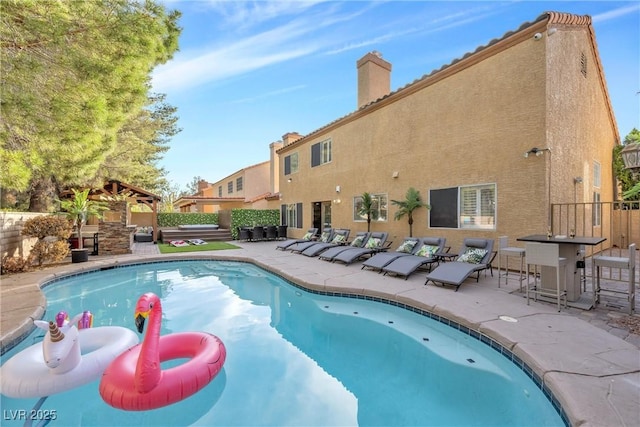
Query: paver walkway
591	363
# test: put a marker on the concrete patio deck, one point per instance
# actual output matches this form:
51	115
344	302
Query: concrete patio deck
591	364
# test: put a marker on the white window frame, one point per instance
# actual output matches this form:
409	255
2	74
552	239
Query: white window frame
325	152
292	215
478	211
597	174
293	163
380	208
596	218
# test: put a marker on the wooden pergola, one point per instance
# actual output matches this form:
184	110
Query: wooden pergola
115	188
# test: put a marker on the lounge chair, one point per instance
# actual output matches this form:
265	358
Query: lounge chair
426	255
307	237
476	255
409	246
377	242
326	236
340	238
359	241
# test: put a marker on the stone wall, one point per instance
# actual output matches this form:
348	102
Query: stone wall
115	235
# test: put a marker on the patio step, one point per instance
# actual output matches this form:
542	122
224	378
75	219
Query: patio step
220	235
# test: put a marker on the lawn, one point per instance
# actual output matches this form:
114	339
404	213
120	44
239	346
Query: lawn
166	248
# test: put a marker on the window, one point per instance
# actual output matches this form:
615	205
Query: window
230	187
477	206
471	207
378	208
321	153
596	175
238	184
220	191
291	164
292	215
583	64
596	216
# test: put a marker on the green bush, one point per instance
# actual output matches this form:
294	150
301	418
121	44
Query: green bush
174	219
252	217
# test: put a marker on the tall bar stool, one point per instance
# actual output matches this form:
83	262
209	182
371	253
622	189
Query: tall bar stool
625	263
546	255
504	250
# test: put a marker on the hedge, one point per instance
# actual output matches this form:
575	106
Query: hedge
252	217
174	219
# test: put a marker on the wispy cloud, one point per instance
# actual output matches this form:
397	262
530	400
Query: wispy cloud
286	30
249	13
269	47
268	94
616	13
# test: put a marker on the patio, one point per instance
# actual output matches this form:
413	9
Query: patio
588	358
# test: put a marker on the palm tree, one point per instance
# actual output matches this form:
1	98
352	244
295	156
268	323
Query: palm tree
79	208
411	202
366	208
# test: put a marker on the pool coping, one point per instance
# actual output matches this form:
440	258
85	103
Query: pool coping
594	381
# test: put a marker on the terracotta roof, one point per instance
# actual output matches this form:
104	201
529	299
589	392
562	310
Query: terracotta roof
259	197
194	199
470	58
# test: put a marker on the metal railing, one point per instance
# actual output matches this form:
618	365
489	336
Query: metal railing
618	222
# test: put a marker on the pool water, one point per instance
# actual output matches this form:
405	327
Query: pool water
294	358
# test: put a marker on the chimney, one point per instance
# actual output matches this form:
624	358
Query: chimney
374	78
202	184
274	167
290	137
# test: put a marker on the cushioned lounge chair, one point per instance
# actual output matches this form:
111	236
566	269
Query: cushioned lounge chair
377	242
426	255
307	237
359	241
340	238
474	256
325	236
409	246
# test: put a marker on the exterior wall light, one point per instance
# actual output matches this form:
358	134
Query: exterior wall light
631	156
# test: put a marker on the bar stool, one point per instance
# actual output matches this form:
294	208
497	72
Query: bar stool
505	250
628	263
546	255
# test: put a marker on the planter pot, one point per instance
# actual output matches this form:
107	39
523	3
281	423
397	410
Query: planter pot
79	255
73	242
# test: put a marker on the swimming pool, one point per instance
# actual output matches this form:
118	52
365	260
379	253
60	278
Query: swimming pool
294	357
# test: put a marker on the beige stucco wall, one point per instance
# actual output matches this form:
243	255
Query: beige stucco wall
466	126
579	130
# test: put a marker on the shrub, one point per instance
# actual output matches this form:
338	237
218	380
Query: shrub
52	251
174	219
15	264
52	233
47	226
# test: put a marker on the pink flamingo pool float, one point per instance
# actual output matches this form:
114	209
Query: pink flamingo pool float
135	381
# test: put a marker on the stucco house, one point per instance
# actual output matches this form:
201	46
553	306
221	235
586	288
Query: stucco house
459	135
249	188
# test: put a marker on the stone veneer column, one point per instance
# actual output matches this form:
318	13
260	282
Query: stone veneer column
114	234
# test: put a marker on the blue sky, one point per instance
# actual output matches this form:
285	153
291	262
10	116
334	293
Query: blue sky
249	72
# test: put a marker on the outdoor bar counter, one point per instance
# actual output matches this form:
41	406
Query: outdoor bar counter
569	249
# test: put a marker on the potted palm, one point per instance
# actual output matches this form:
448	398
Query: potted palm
366	208
78	209
411	202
